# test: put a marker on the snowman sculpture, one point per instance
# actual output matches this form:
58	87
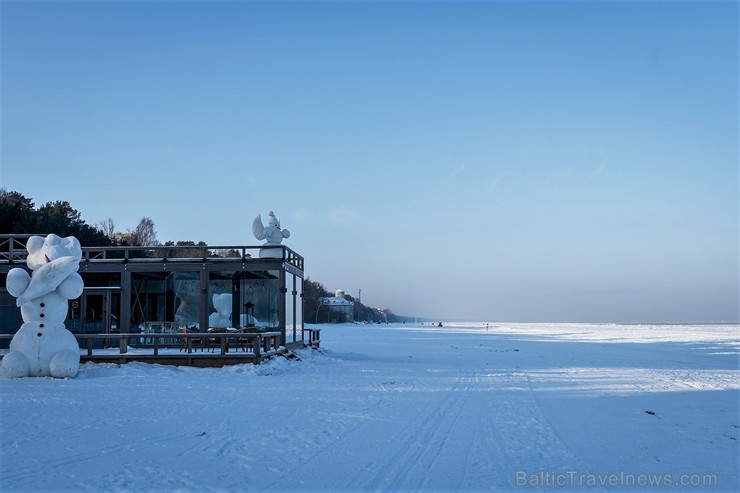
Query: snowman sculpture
272	233
43	346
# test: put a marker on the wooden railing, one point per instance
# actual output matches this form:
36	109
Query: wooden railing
205	253
314	337
230	345
13	250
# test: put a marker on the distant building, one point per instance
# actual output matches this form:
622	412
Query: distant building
340	309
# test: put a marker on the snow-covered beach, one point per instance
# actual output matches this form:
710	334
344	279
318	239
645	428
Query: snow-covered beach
397	408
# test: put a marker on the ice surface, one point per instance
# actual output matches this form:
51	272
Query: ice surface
396	408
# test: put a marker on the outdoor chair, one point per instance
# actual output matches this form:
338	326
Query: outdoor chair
195	342
214	342
242	341
154	328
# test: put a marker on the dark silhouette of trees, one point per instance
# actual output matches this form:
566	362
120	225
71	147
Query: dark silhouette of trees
17	215
194	249
312	291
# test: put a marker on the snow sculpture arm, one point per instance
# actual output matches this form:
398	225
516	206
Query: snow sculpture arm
71	287
48	277
17	282
286	233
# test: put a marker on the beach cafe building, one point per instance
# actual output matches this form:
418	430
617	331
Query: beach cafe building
163	297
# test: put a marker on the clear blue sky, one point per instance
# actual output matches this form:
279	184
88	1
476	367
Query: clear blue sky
502	161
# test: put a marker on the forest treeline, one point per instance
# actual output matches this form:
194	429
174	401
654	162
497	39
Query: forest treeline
19	215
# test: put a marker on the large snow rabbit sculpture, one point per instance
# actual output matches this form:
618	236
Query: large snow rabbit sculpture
43	346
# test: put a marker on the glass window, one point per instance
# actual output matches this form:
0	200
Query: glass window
299	308
290	330
264	292
221	300
186	290
244	299
148	298
161	302
293	308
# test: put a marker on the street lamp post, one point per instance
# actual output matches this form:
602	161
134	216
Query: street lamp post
321	303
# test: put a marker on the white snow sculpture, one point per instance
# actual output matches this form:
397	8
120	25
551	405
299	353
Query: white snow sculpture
222	316
43	346
272	233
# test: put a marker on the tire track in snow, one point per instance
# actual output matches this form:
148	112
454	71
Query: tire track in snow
416	464
486	457
526	440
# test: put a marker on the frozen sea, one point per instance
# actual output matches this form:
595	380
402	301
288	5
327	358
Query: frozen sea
387	408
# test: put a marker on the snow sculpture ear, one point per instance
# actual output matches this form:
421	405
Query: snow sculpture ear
72	246
33	245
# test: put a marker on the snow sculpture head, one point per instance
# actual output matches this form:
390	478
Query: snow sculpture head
43	250
272	233
222	316
43	346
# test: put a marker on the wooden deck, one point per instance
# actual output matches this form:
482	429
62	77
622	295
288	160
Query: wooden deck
215	349
174	359
212	350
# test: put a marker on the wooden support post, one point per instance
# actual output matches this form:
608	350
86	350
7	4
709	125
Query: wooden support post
256	345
